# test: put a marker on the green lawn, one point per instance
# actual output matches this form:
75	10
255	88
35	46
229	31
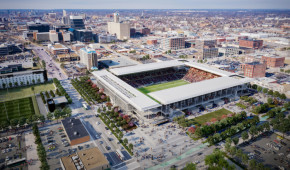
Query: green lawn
16	108
241	105
162	86
207	117
21	92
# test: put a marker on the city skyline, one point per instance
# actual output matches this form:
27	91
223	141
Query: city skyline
149	4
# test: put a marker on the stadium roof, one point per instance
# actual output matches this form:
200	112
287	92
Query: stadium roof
209	69
128	93
184	92
145	67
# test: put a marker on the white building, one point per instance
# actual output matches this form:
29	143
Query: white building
120	29
53	36
107	38
89	58
21	78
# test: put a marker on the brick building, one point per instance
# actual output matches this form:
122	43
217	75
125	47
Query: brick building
273	61
152	41
251	43
254	69
75	131
173	43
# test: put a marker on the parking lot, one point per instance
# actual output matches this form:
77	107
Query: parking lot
269	150
12	148
56	145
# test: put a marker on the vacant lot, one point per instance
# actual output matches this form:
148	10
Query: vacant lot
207	117
162	86
16	108
20	92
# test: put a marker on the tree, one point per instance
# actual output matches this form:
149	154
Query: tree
42	118
14	122
265	90
57	114
245	158
190	166
216	160
22	121
38	80
270	92
235	140
252	164
270	100
276	94
4	85
10	84
49	116
245	135
4	124
283	96
131	146
21	83
253	131
125	141
233	150
16	84
27	83
33	81
259	88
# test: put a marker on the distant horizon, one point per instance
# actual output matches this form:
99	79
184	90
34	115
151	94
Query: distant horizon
144	9
141	4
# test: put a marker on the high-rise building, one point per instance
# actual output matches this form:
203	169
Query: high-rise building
254	69
121	29
89	58
63	13
173	43
76	22
39	26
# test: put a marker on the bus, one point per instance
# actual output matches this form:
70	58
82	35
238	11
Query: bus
85	106
120	155
16	162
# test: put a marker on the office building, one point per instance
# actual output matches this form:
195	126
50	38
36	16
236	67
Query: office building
205	43
206	48
89	58
228	51
39	26
254	69
173	43
57	48
52	15
251	43
152	41
41	36
107	38
6	49
120	29
75	131
89	159
53	36
15	75
273	61
83	35
76	22
145	31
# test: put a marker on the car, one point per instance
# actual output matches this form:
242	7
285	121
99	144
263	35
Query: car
101	142
110	139
7	158
200	153
110	133
106	128
97	123
80	147
107	147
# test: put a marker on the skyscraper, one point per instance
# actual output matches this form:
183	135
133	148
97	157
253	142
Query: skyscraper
120	29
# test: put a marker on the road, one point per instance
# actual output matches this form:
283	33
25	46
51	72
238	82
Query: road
52	67
97	131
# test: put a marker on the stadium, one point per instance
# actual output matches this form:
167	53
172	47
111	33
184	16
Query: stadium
156	92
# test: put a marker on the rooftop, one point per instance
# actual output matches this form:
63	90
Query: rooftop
127	92
74	128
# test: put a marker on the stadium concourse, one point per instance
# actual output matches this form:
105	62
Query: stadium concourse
156	92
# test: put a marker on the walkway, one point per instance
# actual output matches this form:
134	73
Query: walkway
32	153
177	159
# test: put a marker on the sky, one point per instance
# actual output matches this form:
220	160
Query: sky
144	4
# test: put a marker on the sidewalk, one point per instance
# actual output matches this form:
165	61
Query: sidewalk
32	153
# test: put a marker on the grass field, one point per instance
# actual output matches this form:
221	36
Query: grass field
21	92
17	108
207	117
162	86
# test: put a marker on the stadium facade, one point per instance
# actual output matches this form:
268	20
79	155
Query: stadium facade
206	86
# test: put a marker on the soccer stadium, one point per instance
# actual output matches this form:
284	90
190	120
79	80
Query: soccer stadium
156	92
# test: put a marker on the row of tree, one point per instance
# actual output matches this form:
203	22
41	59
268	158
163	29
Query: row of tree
15	123
207	130
248	99
217	137
61	90
59	113
105	117
269	92
40	149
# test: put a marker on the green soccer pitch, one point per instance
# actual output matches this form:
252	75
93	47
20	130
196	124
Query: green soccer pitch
162	86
